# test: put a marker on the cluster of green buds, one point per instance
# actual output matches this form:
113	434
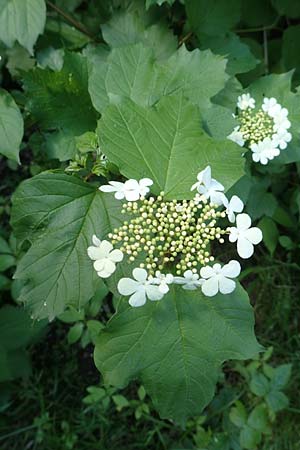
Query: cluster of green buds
255	126
169	233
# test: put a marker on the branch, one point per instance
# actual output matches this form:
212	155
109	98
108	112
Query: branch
71	20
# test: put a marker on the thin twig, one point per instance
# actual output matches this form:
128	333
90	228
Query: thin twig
70	19
266	55
257	29
185	38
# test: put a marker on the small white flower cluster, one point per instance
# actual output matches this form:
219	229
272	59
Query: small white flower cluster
210	279
264	131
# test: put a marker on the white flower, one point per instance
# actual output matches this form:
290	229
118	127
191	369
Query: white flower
190	281
237	136
245	236
218	278
140	288
235	205
269	106
209	187
245	101
281	122
264	151
104	256
131	190
163	280
282	138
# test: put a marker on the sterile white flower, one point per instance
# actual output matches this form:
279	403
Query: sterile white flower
237	136
245	101
235	205
208	187
218	278
264	151
132	190
163	281
245	236
269	105
190	281
104	257
140	288
282	138
281	122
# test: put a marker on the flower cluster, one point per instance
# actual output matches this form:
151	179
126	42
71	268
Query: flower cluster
170	241
263	130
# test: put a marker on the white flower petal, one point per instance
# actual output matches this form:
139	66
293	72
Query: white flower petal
145	182
210	287
153	292
96	241
244	248
99	265
243	221
132	196
107	188
109	265
119	195
104	273
207	272
94	252
140	274
105	248
127	286
116	255
254	235
232	269
236	204
234	234
138	298
226	285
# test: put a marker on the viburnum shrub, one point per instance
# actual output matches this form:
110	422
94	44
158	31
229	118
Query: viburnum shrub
153	150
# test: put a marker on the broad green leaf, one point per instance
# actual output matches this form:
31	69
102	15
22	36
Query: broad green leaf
240	58
132	72
256	13
167	144
214	17
277	400
281	376
290	52
258	418
60	145
127	72
59	214
176	346
75	333
259	385
14	364
18	60
290	8
61	99
270	233
11	127
22	21
238	414
249	438
198	74
16	327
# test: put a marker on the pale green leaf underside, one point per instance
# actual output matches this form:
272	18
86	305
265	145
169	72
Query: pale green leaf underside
11	126
167	144
63	215
22	21
176	346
